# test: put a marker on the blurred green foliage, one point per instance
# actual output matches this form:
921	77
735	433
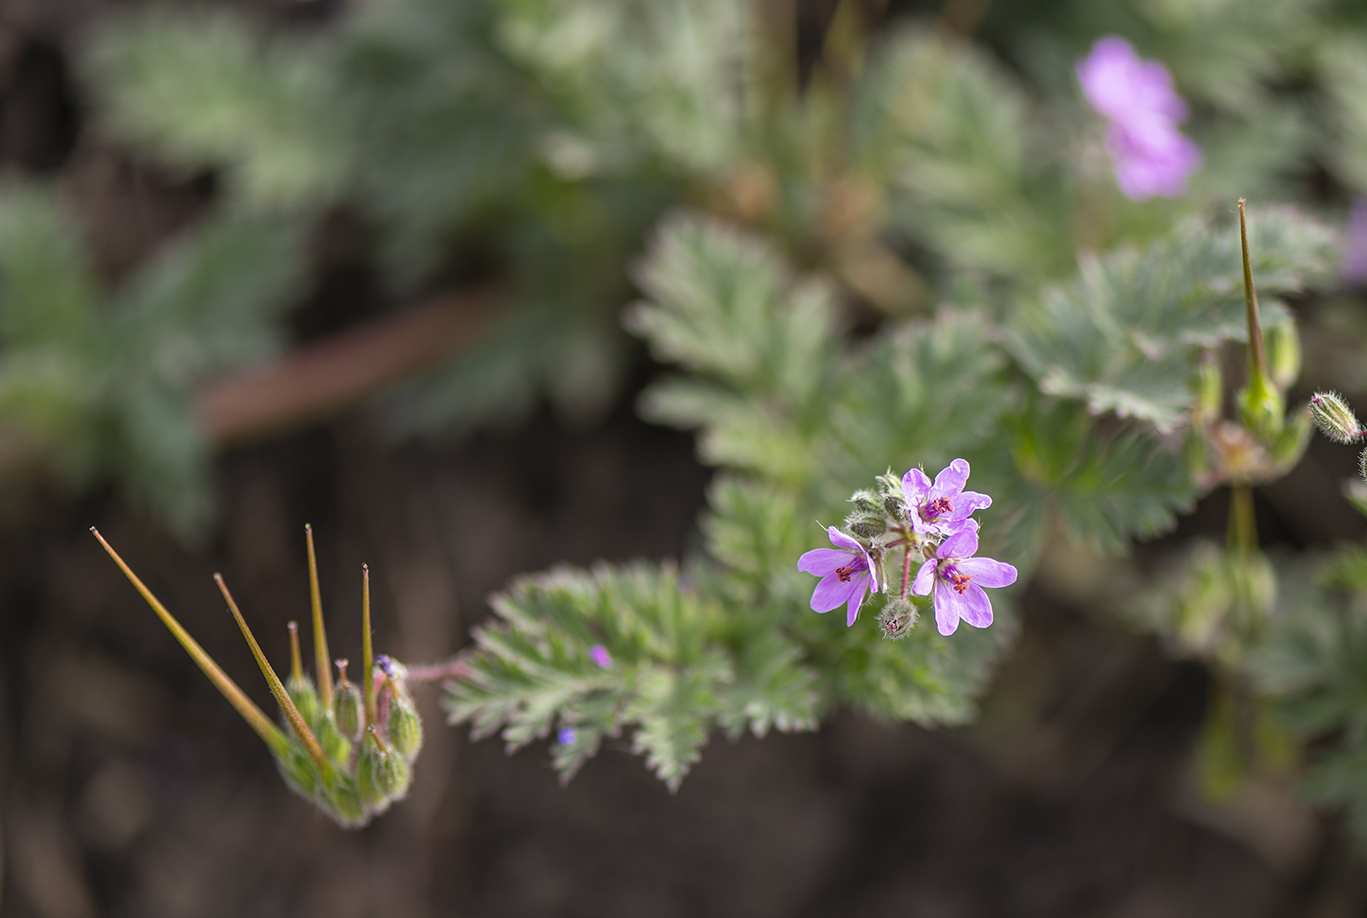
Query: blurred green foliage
904	247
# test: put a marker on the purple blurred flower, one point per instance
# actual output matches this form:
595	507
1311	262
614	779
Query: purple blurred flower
1150	154
956	580
846	574
1355	245
600	655
941	508
567	736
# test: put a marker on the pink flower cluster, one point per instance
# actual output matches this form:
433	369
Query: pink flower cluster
1151	156
936	530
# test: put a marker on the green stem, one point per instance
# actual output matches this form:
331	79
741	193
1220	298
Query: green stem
1243	526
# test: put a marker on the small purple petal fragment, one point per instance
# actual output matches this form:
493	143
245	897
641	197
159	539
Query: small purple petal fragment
1151	156
567	736
600	655
1355	244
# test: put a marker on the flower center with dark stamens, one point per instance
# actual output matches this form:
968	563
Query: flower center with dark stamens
951	575
844	573
936	508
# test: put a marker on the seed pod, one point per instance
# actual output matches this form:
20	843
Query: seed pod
1283	354
305	698
335	746
1210	391
346	706
405	728
1334	418
347	808
381	775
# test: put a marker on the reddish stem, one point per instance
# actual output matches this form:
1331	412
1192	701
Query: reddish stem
906	571
328	375
437	672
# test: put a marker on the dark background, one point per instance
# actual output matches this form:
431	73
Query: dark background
129	787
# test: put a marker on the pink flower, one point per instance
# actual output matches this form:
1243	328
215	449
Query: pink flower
846	574
599	654
956	579
941	508
1151	156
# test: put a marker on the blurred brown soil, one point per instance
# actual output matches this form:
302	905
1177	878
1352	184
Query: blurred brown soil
128	787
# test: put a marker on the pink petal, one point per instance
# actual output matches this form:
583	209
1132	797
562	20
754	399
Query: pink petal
951	479
823	561
846	542
987	572
925	579
962	544
973	606
831	592
915	487
946	614
856	600
969	502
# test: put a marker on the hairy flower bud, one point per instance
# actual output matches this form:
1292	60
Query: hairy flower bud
1334	418
347	705
404	728
865	501
865	527
897	619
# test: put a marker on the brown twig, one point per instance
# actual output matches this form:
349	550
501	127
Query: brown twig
328	375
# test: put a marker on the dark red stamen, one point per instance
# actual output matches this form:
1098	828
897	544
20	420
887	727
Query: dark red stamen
955	579
844	573
936	508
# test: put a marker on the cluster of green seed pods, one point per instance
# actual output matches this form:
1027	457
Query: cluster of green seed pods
348	749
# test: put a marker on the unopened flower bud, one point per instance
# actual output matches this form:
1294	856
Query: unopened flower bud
865	526
347	705
865	501
1283	344
404	728
1334	418
897	619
